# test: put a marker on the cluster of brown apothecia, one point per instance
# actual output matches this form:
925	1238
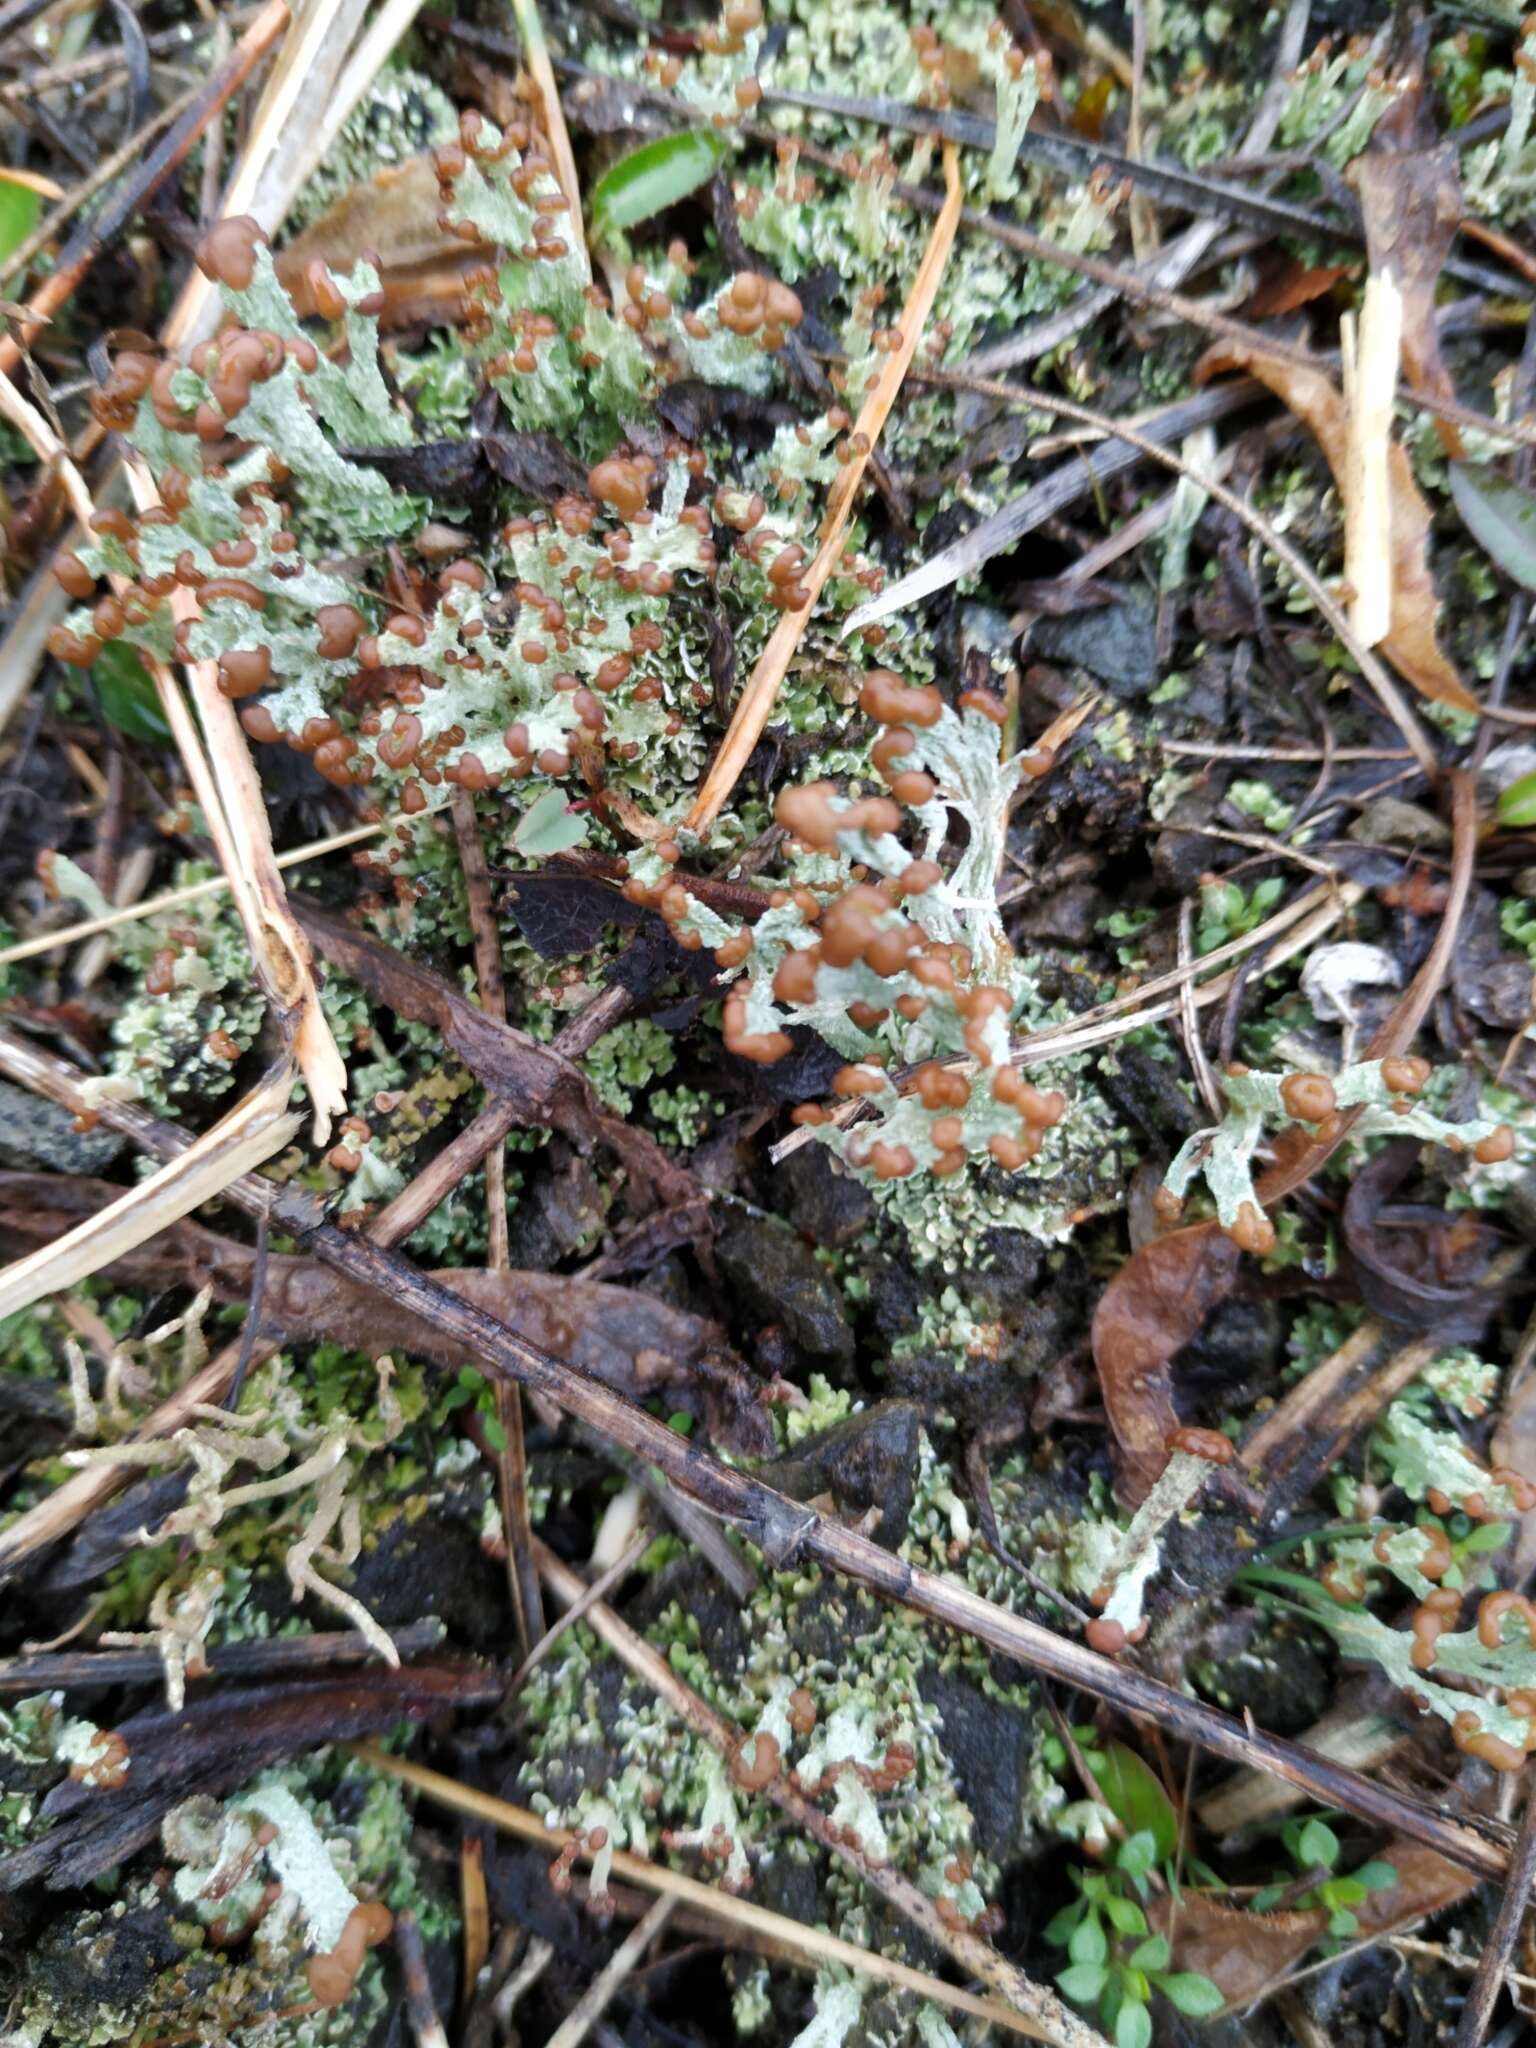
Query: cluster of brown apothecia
863	921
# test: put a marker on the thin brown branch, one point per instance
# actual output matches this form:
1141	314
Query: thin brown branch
512	1453
1488	1982
577	1605
110	167
609	1981
59	287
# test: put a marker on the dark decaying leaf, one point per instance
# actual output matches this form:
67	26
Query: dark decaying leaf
1418	1268
633	1342
536	463
452	472
1151	1309
693	408
720	649
214	1745
465	471
563	915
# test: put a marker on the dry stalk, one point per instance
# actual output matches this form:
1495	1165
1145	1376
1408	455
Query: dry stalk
35	430
260	1125
1369	358
757	699
228	788
605	1986
512	1458
173	899
545	99
301	83
373	47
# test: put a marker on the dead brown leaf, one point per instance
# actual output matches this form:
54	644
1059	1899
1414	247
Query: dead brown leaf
392	220
1284	284
1248	1955
1410	645
1411	207
633	1342
1151	1309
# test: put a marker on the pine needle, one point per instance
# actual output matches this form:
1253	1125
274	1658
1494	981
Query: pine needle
757	699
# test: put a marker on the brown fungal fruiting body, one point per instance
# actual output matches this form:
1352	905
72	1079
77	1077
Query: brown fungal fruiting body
332	1976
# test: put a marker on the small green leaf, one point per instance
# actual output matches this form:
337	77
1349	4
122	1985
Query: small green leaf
1133	2028
1193	1995
1061	1924
1377	1876
495	1435
652	177
1138	1853
1516	806
1082	1982
1317	1844
1135	1796
21	207
681	1422
1263	1900
1125	1916
1343	1924
128	697
1088	1944
1494	1535
1151	1954
1501	518
547	826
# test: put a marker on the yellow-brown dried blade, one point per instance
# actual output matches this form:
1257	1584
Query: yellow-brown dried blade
254	1129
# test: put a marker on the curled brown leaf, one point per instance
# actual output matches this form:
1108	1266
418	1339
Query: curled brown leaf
1155	1304
390	218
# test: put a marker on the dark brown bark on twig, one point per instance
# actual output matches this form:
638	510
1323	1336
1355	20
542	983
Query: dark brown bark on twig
1486	1985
